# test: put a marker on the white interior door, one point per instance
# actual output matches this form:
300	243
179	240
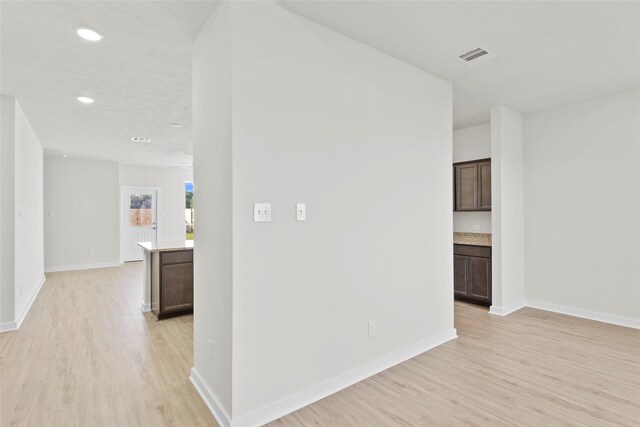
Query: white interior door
140	221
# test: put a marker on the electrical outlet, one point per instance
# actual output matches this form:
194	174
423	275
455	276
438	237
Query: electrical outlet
92	252
210	349
372	328
477	227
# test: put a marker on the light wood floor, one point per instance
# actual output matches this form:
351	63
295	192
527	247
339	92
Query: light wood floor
87	356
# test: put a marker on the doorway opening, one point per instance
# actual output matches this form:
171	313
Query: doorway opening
188	212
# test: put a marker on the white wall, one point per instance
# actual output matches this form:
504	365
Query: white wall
364	140
84	196
472	143
582	201
213	239
171	183
29	245
21	196
7	197
507	210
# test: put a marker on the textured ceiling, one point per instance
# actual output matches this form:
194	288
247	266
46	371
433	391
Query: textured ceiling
549	52
139	75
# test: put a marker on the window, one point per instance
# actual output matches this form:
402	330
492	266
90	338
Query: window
188	213
140	210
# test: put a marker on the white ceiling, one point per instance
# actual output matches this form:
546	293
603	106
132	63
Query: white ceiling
549	53
139	75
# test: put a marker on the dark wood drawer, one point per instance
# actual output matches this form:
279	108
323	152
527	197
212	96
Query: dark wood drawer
473	251
177	257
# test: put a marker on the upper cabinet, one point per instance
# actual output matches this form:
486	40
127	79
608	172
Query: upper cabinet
484	185
472	186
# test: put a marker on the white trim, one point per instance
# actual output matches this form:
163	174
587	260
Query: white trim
82	267
145	307
8	327
585	314
569	311
12	326
306	397
24	313
210	399
504	311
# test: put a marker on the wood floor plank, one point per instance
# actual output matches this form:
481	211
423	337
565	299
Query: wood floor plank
86	356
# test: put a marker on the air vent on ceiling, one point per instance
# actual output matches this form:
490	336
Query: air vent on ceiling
475	56
140	139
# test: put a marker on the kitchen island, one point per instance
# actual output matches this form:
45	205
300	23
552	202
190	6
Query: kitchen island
167	288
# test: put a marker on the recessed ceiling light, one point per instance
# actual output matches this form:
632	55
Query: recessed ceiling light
64	156
140	139
89	34
85	99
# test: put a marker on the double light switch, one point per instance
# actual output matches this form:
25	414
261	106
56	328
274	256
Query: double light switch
262	212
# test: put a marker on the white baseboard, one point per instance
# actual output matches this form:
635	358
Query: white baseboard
81	267
585	314
313	394
504	311
210	399
145	307
12	326
8	326
22	316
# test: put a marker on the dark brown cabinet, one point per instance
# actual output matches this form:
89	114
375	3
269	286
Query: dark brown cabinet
171	283
484	186
472	273
472	186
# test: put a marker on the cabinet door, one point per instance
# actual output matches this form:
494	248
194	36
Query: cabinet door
460	274
466	187
484	186
480	278
177	287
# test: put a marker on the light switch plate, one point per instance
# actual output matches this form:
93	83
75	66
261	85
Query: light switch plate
301	211
262	212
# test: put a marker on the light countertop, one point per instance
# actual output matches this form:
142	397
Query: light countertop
475	239
184	245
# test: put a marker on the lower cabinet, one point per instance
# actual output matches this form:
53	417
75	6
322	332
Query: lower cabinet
172	283
472	273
